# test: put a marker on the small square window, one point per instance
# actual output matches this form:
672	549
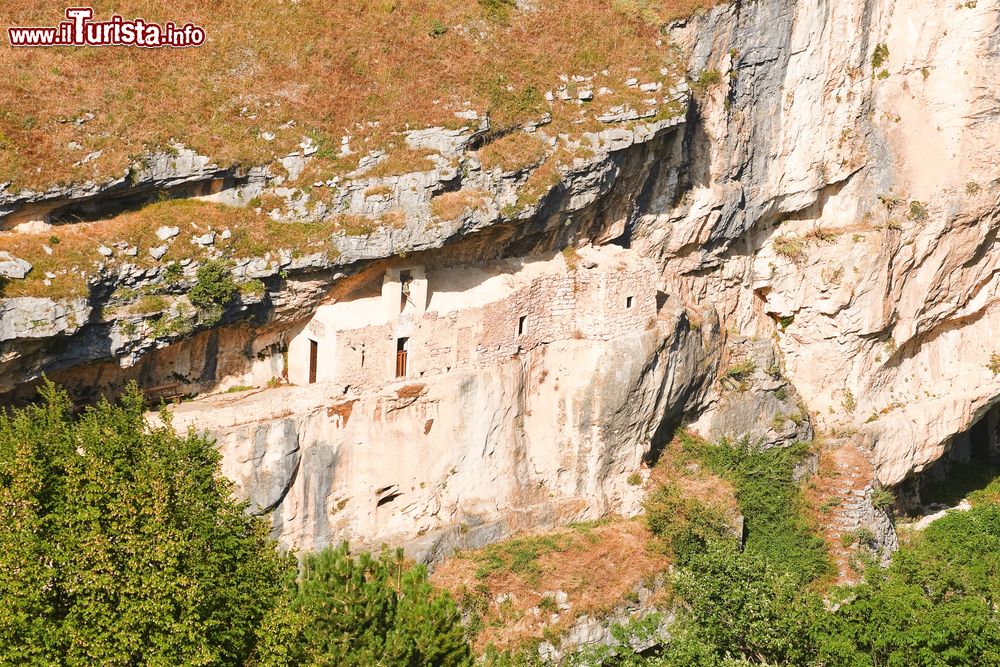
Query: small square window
522	325
629	301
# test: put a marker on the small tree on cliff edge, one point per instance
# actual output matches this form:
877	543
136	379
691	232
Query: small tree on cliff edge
120	543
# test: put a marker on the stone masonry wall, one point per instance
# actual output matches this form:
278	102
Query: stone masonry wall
583	304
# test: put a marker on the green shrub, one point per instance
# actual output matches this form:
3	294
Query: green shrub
994	364
213	290
883	499
934	605
849	402
918	211
773	507
879	55
151	303
173	274
497	10
548	604
253	288
742	370
684	526
739	606
437	28
792	247
706	79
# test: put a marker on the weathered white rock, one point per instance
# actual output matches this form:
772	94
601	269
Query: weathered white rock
205	239
159	251
166	232
13	267
493	447
105	250
35	317
890	317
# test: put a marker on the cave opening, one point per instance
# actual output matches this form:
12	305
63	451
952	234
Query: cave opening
970	462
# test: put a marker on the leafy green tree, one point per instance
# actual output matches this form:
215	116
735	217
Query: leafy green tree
120	543
683	525
344	610
741	606
772	503
936	604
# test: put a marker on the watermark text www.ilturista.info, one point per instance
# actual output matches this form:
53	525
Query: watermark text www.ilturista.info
81	30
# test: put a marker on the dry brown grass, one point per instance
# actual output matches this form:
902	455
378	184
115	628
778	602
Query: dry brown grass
596	565
400	161
315	67
414	390
378	191
451	205
74	258
675	466
513	152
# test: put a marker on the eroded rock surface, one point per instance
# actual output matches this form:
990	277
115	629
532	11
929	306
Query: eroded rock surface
833	191
549	437
840	193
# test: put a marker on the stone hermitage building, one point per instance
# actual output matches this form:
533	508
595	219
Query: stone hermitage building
422	324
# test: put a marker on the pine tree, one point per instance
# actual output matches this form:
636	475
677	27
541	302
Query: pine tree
364	611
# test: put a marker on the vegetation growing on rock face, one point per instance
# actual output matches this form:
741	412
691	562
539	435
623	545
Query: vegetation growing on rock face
934	605
213	290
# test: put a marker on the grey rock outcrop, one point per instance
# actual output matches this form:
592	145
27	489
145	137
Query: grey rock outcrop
13	267
753	400
35	317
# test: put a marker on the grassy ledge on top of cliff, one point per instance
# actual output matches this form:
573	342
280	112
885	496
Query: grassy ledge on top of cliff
347	75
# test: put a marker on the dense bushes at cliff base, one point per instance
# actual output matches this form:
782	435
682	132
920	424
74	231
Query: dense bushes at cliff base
936	604
364	611
120	544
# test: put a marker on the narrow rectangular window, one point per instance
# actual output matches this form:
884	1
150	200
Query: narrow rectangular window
405	277
313	360
522	325
402	346
629	301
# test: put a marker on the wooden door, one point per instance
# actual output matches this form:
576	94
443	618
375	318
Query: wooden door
313	360
402	345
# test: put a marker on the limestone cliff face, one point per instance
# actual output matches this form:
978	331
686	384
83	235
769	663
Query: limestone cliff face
463	459
837	190
833	189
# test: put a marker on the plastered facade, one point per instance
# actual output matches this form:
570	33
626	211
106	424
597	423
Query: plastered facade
470	319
